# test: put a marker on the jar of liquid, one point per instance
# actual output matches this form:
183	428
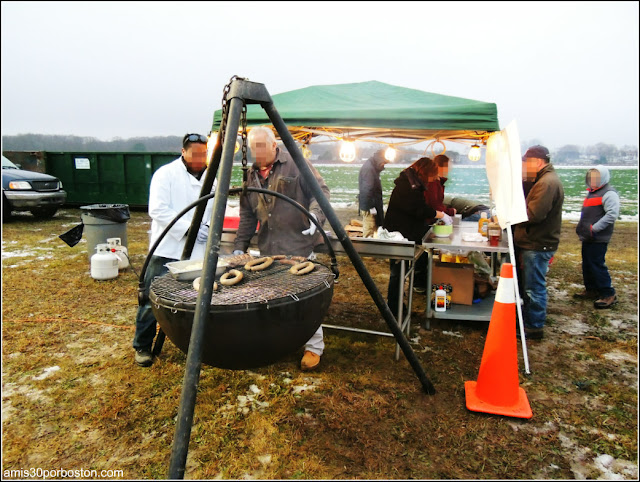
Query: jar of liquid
494	233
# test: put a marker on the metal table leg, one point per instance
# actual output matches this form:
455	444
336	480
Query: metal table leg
427	324
405	324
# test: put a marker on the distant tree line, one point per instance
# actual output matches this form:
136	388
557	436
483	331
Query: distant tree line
43	142
326	152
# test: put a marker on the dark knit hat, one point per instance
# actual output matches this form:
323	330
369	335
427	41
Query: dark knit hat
537	152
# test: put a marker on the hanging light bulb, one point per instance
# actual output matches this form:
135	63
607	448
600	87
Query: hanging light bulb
390	154
306	152
348	151
474	153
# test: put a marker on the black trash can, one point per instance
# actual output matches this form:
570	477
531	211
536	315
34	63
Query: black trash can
104	221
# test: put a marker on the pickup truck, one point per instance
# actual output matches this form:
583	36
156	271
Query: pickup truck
41	194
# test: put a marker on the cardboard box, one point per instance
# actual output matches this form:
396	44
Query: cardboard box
459	276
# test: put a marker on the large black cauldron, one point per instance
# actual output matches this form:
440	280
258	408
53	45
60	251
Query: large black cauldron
268	315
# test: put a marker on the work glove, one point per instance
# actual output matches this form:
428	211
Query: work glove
447	219
312	229
236	252
373	211
203	234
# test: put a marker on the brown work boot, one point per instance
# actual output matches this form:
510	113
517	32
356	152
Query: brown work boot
586	295
604	303
309	361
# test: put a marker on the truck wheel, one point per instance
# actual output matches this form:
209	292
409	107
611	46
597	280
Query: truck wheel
6	209
44	213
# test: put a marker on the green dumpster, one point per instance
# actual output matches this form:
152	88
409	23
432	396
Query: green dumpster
106	177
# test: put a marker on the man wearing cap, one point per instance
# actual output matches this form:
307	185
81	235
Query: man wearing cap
537	239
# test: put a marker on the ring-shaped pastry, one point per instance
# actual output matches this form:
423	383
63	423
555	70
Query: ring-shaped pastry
259	264
302	268
231	277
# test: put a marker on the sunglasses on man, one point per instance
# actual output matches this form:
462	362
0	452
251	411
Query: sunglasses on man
194	138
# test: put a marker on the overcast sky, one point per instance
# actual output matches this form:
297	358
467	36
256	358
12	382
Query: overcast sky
567	72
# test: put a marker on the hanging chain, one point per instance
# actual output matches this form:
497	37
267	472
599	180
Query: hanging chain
245	169
225	93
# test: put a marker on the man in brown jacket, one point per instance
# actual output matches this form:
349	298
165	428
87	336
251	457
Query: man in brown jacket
283	229
537	239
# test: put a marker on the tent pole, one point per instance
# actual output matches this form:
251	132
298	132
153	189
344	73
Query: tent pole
518	306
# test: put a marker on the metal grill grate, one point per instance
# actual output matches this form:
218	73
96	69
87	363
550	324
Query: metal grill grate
275	282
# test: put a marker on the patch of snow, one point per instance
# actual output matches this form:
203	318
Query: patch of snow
47	372
264	459
618	356
297	389
452	333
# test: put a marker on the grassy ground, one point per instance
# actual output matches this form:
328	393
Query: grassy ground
72	397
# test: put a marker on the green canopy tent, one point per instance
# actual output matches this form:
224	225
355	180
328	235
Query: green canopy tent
370	110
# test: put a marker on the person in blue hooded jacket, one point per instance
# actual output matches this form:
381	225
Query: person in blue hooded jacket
599	213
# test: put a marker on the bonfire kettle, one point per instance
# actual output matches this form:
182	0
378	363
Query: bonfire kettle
104	264
120	251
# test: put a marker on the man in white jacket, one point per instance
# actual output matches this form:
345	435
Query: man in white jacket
173	187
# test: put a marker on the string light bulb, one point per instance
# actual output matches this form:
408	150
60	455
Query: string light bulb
390	154
306	152
475	153
347	151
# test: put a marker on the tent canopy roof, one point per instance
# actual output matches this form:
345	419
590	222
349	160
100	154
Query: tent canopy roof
375	109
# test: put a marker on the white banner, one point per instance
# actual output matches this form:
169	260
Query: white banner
504	171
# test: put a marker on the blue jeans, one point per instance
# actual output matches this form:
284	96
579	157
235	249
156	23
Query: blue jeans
594	271
145	319
535	265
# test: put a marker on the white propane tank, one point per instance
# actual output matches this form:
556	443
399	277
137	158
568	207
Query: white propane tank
115	244
104	264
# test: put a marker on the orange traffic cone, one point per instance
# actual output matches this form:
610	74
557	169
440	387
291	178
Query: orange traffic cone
497	389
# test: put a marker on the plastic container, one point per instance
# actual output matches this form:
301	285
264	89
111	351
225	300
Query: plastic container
442	230
189	270
483	224
104	221
441	300
104	264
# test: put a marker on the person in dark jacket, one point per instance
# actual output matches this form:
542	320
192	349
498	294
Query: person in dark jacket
538	238
370	193
409	213
435	189
599	213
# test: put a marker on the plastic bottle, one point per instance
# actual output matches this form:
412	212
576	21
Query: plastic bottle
483	224
441	300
